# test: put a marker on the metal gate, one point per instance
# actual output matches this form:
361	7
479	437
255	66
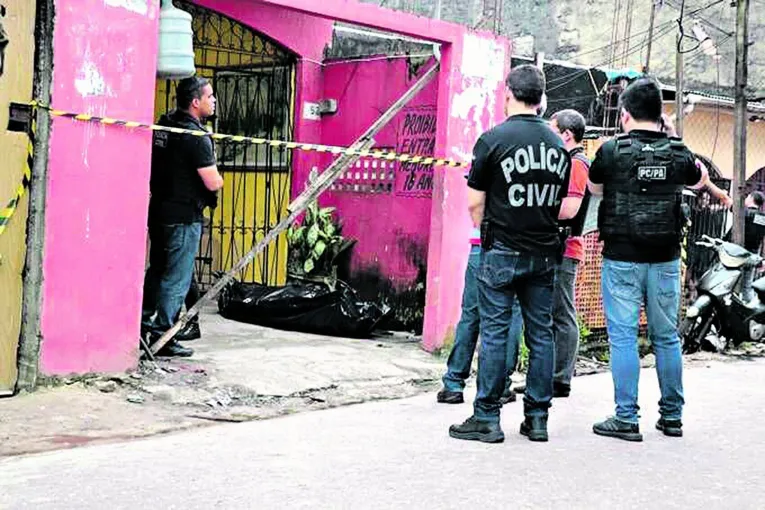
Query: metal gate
254	79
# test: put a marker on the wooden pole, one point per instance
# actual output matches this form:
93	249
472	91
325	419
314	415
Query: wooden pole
322	183
679	76
740	135
649	47
679	86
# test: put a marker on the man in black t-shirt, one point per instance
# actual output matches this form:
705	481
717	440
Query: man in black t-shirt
641	176
184	180
518	181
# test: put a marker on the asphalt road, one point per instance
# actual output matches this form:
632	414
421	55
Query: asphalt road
398	455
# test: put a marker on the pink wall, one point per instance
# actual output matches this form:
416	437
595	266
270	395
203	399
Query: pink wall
301	33
104	64
470	95
471	101
391	228
97	197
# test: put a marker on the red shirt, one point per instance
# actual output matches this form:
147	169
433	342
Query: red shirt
576	188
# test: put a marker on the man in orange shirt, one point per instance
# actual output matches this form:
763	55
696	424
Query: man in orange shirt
570	126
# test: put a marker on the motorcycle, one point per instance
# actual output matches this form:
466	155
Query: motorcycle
730	307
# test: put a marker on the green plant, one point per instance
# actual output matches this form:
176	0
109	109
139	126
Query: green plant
584	331
315	245
523	356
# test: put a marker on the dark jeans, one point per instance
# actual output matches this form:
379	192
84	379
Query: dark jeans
171	269
466	335
503	275
565	325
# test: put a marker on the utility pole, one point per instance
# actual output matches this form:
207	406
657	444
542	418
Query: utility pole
739	137
679	87
679	75
651	26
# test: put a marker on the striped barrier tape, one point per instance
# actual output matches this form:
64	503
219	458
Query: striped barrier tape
7	212
309	147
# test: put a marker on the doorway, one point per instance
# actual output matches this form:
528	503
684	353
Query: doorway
254	81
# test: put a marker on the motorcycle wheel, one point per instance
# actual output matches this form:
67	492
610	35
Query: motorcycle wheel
692	332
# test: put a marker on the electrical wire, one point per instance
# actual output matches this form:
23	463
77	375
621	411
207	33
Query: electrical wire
702	19
631	52
662	28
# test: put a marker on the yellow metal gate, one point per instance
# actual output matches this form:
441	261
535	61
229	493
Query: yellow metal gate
254	81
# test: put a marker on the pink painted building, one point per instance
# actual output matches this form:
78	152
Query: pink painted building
411	222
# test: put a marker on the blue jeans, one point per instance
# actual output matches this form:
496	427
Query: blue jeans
466	336
503	275
626	286
171	268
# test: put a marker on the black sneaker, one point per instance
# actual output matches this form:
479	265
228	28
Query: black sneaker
508	396
450	397
475	430
561	390
190	332
613	427
535	428
671	428
173	349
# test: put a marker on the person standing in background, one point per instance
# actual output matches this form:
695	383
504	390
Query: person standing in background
466	336
570	126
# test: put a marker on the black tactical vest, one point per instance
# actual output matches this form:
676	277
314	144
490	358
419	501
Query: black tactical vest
173	178
642	203
576	224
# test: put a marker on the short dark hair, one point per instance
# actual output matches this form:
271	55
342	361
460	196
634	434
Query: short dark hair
643	100
527	83
189	89
571	120
758	198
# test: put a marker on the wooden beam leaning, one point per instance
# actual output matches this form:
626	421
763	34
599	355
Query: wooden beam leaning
319	186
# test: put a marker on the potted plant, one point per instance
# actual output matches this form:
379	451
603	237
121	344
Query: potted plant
315	246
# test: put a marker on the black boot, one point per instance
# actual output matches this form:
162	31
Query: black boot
535	428
613	427
173	349
449	397
671	428
476	430
190	332
561	390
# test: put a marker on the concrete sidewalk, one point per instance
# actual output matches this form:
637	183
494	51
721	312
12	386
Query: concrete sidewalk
239	372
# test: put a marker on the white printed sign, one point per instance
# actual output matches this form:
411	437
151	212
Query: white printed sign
311	111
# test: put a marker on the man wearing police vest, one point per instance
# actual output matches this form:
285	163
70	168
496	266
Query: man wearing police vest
517	183
641	176
570	126
184	180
